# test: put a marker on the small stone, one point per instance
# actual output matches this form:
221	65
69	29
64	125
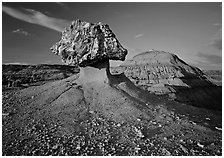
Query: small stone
200	145
78	147
154	123
139	133
55	147
166	152
183	148
218	128
5	114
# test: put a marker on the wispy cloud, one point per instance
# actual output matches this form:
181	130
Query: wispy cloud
21	31
139	35
216	40
36	17
60	3
216	24
63	5
210	58
48	62
205	65
17	63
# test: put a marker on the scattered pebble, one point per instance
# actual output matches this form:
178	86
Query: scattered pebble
200	145
218	128
166	152
137	148
193	123
183	148
139	133
5	114
78	147
207	118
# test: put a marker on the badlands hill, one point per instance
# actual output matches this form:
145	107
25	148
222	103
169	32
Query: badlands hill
161	73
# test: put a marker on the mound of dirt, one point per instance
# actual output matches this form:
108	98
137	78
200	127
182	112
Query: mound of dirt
162	73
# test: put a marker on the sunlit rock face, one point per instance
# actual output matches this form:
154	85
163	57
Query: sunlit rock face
85	43
164	73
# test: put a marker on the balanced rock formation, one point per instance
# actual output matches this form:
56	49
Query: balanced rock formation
161	73
85	43
91	46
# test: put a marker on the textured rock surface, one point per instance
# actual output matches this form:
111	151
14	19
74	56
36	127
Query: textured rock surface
161	72
86	43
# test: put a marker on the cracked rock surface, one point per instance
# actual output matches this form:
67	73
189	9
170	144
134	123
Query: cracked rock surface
85	43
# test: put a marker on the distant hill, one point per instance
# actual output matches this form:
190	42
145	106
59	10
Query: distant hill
20	75
162	72
214	75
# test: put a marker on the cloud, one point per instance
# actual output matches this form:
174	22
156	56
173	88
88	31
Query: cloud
21	31
216	24
211	59
48	62
216	40
36	17
17	63
60	3
139	35
63	5
205	65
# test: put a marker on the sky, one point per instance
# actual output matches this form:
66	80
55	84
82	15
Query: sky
192	31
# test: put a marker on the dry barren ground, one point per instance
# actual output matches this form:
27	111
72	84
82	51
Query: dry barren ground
56	119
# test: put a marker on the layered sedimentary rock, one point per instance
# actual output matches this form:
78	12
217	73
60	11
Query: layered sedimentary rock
161	73
85	43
